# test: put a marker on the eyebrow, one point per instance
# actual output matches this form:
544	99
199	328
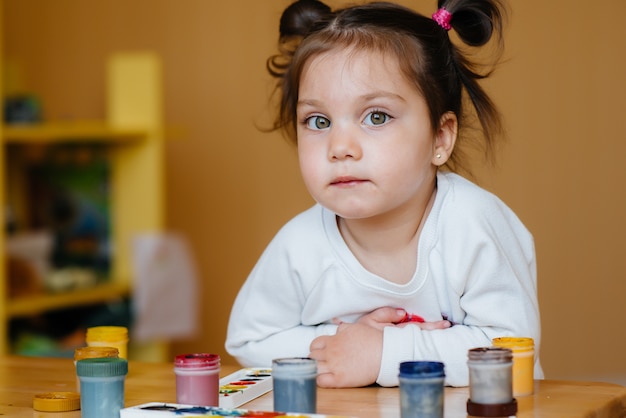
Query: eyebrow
365	98
382	93
307	103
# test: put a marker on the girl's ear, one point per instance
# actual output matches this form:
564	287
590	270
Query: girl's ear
445	138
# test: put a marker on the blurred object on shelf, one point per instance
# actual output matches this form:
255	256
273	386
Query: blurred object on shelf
70	278
10	223
28	261
34	247
28	344
30	269
23	278
22	109
69	195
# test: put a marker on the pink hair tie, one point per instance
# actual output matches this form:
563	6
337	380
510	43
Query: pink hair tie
443	18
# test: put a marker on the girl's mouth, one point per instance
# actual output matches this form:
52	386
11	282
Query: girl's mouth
346	181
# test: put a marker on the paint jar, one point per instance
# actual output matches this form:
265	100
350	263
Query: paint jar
421	389
101	386
197	379
523	363
295	385
109	336
82	353
490	382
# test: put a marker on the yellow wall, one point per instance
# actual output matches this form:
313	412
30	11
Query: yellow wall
230	187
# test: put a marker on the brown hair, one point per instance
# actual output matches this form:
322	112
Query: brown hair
440	71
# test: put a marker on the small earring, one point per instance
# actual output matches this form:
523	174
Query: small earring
438	155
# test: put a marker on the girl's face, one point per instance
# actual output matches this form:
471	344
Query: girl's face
365	143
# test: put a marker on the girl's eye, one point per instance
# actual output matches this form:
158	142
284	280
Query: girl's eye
318	122
377	118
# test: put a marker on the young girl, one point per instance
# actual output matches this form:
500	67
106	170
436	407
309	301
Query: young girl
401	258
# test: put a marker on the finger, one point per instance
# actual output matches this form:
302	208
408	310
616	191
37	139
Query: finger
342	327
337	321
318	344
429	326
386	315
389	314
326	380
322	366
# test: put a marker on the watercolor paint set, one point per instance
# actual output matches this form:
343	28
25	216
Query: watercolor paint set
165	410
244	385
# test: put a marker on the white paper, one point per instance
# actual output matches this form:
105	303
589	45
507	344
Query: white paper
165	293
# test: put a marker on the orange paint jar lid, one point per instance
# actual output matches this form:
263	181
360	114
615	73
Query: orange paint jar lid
95	352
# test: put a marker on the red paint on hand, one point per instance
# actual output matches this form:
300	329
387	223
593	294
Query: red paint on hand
410	318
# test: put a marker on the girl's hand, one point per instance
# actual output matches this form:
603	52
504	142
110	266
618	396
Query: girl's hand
382	317
387	316
350	358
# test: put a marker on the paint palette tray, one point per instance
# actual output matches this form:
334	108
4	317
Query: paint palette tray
165	410
244	385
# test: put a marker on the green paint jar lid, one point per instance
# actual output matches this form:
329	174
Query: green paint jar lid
102	367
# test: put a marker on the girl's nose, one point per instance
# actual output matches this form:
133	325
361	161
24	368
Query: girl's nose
343	144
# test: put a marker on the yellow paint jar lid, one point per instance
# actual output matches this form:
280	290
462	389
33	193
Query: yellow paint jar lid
106	334
56	401
516	344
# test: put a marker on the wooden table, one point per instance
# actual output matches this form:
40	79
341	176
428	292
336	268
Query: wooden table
23	377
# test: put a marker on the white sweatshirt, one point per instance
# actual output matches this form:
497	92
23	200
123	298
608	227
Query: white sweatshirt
475	266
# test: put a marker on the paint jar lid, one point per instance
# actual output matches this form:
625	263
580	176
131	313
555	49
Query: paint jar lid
517	344
422	369
294	367
56	402
197	361
95	352
107	334
102	367
490	355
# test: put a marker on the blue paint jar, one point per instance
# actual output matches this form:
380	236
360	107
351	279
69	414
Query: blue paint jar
421	389
101	386
295	384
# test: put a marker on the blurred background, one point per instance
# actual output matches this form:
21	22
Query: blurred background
227	187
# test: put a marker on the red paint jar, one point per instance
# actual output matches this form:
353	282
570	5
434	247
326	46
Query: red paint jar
197	379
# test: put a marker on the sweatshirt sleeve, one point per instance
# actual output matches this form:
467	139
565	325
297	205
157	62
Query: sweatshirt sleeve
266	320
486	258
448	346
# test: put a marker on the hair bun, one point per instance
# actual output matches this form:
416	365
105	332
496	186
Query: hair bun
299	17
475	21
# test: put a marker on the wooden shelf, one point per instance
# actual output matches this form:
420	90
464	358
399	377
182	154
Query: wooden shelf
132	142
79	131
35	304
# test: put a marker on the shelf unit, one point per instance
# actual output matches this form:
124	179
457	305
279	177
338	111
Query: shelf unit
132	135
